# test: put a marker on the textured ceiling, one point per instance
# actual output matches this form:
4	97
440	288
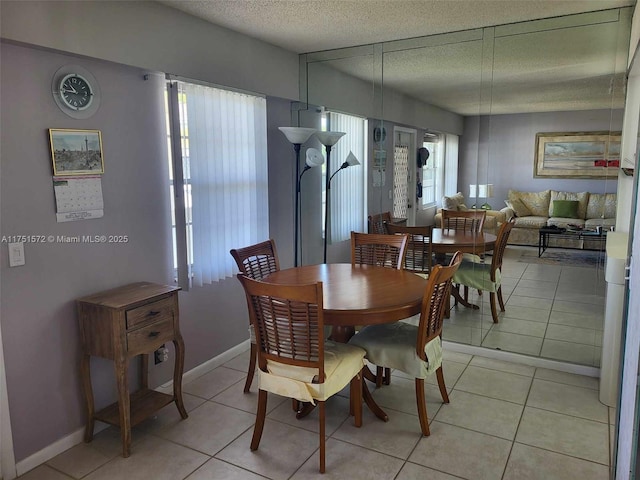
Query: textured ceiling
567	69
304	26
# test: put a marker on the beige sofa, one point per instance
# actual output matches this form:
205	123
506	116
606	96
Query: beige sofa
533	210
457	202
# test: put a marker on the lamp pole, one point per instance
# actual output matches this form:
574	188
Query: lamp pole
328	139
297	136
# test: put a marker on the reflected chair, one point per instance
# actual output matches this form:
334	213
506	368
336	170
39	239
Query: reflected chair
378	249
293	358
415	350
419	256
378	223
256	262
487	277
469	221
466	220
382	250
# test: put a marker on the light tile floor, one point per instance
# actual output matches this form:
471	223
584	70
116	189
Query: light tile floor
505	421
551	311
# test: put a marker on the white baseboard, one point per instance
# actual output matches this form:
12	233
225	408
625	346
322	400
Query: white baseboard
522	359
56	448
77	437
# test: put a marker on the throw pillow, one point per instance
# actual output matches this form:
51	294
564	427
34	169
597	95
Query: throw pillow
518	207
565	208
452	202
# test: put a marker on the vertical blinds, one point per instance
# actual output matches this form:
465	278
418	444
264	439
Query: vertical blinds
224	156
347	187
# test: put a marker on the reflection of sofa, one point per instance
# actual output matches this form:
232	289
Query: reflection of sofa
456	202
536	209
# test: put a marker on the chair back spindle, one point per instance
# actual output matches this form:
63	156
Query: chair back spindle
378	249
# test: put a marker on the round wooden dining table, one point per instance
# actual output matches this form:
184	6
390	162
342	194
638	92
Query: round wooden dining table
447	240
359	295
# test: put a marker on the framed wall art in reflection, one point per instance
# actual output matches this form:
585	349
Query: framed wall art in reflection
577	155
76	152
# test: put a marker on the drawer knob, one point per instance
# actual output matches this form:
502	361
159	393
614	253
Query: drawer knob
153	313
153	334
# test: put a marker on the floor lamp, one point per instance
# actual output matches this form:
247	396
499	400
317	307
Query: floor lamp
328	139
313	159
297	136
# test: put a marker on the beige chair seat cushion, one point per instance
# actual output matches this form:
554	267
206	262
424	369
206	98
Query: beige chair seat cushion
393	345
477	275
341	363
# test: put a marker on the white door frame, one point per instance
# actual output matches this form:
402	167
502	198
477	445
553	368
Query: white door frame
400	133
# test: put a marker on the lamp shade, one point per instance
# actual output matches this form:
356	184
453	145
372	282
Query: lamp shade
473	191
329	139
352	160
297	135
314	157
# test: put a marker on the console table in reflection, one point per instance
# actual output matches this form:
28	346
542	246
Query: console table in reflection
119	324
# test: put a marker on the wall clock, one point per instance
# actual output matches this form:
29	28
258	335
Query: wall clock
379	134
76	91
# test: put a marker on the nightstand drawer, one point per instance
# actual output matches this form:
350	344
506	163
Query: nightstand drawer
148	338
151	312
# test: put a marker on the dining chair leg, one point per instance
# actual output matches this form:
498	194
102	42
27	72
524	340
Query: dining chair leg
260	417
422	407
500	300
441	385
387	376
252	367
295	405
494	310
379	376
321	413
356	399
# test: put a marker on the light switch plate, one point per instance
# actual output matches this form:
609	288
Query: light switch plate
16	254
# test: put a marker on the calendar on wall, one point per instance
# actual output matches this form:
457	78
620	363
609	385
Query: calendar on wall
78	198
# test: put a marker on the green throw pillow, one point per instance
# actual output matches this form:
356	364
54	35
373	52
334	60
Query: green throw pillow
565	208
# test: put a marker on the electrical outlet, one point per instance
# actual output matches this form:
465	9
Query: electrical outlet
161	354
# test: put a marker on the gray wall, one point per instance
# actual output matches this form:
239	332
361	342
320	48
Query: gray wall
39	325
152	36
504	156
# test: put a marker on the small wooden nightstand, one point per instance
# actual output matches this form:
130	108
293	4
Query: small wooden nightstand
120	324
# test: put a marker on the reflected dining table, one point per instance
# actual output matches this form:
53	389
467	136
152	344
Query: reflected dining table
357	296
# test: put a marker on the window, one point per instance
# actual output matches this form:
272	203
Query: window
221	172
440	174
348	193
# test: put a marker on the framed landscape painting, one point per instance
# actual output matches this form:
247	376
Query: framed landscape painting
76	152
577	155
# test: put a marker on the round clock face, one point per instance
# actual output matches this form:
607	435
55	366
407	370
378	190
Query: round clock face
75	91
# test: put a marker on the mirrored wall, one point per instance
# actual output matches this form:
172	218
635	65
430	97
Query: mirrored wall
482	102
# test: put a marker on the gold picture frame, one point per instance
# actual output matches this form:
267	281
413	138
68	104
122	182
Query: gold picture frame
76	152
594	155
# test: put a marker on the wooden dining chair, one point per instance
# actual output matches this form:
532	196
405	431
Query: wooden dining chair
378	223
419	256
484	276
256	262
294	360
415	350
385	251
378	249
466	220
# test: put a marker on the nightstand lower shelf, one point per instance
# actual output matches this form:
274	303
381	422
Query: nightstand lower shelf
143	403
